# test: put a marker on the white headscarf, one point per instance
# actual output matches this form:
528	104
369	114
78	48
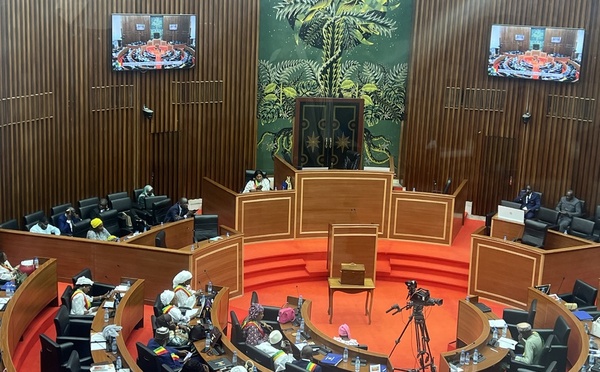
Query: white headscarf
181	278
166	297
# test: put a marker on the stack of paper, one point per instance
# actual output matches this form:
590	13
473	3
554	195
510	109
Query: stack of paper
497	323
97	341
507	343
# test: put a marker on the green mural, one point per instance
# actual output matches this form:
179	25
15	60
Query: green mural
333	48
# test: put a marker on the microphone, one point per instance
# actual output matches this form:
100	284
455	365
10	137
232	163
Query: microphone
394	307
561	283
206	273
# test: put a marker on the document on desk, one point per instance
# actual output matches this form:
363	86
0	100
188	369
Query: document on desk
498	323
121	288
507	343
97	341
191	313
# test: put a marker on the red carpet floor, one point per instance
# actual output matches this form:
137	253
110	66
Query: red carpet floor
380	336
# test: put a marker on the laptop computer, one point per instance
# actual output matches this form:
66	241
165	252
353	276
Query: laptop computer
512	204
511	214
544	288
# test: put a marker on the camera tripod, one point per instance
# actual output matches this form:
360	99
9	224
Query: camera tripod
422	340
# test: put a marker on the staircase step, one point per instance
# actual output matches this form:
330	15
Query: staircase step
268	277
272	266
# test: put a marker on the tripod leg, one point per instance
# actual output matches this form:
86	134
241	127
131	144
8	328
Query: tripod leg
410	318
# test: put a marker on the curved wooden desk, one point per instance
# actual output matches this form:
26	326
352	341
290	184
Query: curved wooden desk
35	293
129	315
320	338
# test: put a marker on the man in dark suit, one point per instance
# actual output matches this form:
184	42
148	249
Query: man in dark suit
179	211
530	201
305	362
67	220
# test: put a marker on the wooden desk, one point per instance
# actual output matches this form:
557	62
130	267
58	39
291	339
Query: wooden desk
33	295
473	331
129	315
336	286
320	338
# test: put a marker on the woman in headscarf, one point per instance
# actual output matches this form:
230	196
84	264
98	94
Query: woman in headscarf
148	191
81	302
169	307
185	295
344	336
254	329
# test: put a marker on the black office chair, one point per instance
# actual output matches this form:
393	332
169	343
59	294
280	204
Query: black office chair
551	367
289	367
58	209
549	217
147	360
582	228
81	228
206	226
98	288
546	359
237	336
583	294
10	224
86	210
32	218
534	233
160	209
88	201
115	196
54	356
110	220
136	194
160	240
73	364
351	160
512	317
260	356
158	306
76	331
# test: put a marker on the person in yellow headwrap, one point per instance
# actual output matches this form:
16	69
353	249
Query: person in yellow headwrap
98	232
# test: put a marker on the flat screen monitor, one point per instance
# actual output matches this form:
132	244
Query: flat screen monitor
153	41
536	53
511	214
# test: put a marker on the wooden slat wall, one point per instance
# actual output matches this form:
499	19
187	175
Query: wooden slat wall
71	128
454	108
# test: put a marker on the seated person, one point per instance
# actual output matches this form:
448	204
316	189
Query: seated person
568	207
166	354
259	182
179	211
98	232
185	295
7	271
280	351
344	336
44	227
66	221
178	335
101	208
255	331
81	303
530	201
306	363
148	191
168	299
533	345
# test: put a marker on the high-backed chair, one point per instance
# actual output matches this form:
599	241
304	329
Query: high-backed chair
147	360
122	205
512	317
549	217
98	289
81	228
237	336
54	356
76	331
206	226
160	209
58	209
582	228
583	294
551	367
546	359
158	306
32	218
534	233
88	201
561	331
160	240
260	356
596	219
73	364
115	196
110	220
10	224
85	211
136	195
289	367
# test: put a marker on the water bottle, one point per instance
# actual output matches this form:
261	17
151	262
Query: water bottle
345	356
10	288
467	358
192	247
114	345
128	284
462	358
106	316
145	229
234	358
592	360
357	364
36	262
207	342
298	339
302	325
495	334
504	237
209	287
300	301
505	330
254	369
583	367
118	363
227	234
468	299
475	356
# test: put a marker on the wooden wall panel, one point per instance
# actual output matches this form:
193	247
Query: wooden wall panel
451	117
71	128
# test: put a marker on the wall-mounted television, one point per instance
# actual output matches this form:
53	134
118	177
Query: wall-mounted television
536	53
153	41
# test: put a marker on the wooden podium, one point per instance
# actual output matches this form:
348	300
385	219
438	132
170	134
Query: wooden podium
352	243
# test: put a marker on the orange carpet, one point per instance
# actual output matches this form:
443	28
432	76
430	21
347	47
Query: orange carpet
380	336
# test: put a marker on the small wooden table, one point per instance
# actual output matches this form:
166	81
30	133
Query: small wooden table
335	285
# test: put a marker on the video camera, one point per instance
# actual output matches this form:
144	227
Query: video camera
420	296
